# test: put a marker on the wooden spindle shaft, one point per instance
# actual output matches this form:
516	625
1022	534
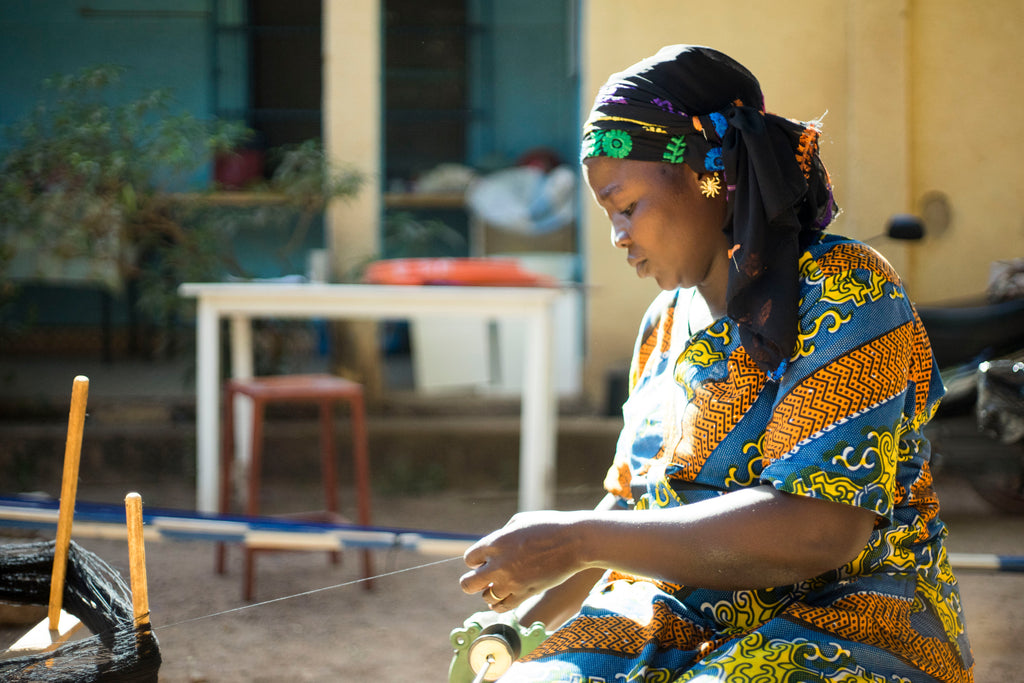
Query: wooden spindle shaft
137	559
68	492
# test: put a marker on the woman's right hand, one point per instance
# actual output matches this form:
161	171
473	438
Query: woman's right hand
531	553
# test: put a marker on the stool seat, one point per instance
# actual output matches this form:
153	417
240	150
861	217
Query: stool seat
324	390
296	387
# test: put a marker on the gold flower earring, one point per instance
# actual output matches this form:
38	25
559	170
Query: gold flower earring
710	185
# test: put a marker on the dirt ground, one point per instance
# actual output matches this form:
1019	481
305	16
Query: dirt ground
312	623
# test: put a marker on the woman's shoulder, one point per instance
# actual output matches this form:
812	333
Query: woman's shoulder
833	254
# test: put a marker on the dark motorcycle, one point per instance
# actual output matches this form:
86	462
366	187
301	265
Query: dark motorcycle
978	430
1000	411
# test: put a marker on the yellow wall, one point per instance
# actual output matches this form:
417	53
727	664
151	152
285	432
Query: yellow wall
352	135
352	122
920	96
967	105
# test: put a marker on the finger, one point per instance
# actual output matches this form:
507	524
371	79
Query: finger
518	595
494	598
471	582
507	603
475	555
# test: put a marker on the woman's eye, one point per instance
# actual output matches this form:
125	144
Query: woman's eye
628	211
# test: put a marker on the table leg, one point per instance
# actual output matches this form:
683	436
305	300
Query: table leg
242	368
539	414
207	400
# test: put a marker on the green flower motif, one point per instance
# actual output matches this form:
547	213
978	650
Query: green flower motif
675	150
616	143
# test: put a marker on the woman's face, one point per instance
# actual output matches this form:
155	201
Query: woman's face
670	231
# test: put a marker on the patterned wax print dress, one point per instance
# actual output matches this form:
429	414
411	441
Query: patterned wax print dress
842	423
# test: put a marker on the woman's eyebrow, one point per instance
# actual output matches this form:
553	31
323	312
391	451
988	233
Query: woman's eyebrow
608	190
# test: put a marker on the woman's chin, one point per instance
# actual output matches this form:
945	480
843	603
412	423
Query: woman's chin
665	282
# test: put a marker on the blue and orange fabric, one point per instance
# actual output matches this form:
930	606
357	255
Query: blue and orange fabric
842	424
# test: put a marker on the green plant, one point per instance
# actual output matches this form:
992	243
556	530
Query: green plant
94	176
298	191
409	236
81	170
305	179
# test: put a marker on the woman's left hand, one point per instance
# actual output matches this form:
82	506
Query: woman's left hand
531	553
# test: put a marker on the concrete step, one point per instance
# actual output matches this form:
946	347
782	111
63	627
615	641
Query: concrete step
140	433
140	444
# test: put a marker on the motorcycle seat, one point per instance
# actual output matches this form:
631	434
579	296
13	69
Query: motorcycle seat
973	333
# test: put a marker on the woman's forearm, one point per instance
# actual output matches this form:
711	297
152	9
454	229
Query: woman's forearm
753	538
747	539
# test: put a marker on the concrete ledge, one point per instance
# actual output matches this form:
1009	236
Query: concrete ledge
409	454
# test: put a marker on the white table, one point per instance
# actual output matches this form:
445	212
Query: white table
241	302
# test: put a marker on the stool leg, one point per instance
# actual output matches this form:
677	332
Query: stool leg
252	505
361	461
328	464
227	457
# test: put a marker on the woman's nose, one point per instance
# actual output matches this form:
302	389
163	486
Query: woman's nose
619	235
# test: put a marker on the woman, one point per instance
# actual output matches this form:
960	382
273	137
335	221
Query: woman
770	513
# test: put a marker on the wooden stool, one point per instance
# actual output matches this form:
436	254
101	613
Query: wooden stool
323	390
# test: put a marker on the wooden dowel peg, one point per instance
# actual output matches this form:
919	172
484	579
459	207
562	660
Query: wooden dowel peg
68	492
137	559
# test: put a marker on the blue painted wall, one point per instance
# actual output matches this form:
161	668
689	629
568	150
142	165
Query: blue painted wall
521	61
164	45
524	80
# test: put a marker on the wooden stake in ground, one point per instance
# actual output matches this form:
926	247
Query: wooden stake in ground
137	559
68	492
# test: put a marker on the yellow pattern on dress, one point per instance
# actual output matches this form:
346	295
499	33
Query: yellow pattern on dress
804	345
885	450
725	334
923	418
830	487
664	495
700	353
752	464
887	549
757	659
842	287
746	610
946	607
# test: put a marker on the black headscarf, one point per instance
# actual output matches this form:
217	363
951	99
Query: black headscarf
694	105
